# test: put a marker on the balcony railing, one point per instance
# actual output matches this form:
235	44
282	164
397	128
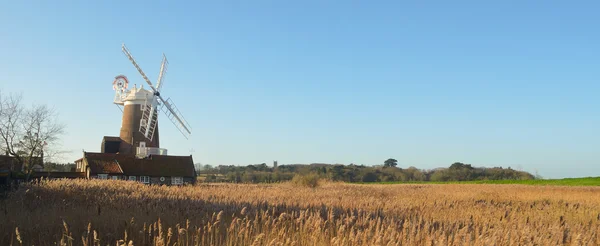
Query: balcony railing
143	152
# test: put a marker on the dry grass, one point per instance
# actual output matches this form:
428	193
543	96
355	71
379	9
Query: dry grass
121	212
309	180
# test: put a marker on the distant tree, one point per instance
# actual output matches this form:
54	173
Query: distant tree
337	172
198	168
249	177
390	163
26	133
58	167
262	167
460	165
208	169
440	175
369	177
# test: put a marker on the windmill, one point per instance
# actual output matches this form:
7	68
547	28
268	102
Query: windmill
140	111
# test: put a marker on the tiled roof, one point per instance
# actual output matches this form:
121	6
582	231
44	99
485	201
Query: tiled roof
159	165
103	164
155	165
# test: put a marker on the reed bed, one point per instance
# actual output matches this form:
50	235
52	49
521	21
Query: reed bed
107	212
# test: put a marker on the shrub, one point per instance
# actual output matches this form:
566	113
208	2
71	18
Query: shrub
369	177
308	180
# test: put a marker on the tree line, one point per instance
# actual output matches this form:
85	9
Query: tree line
33	133
388	172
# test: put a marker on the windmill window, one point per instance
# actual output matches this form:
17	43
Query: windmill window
176	180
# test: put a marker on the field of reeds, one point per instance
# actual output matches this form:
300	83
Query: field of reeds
107	212
587	181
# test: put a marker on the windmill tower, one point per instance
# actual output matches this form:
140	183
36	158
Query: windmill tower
139	126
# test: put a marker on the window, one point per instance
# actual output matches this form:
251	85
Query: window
132	178
103	176
176	180
145	179
115	177
143	144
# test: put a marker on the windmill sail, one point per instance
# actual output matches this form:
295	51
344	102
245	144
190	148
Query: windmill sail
151	113
171	111
149	120
163	71
148	123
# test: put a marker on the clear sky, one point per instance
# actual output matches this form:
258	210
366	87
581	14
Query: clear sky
509	83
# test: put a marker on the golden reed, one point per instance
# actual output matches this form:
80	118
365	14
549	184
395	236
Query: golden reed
107	212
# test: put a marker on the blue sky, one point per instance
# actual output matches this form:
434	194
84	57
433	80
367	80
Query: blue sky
510	83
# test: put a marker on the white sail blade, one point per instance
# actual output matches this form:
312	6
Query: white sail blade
171	111
149	119
163	71
126	51
153	118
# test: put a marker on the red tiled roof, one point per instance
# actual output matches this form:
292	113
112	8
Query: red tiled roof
103	164
156	165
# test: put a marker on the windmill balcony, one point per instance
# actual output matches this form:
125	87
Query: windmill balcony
143	152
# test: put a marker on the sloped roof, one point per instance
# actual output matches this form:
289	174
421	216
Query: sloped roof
155	165
159	165
103	164
111	139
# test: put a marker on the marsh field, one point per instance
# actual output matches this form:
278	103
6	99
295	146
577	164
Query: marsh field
107	212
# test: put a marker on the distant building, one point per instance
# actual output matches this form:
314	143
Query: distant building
11	169
135	154
154	169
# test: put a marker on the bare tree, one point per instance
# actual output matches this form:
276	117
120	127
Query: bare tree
25	133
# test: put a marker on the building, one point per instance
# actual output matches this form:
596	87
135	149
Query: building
136	154
153	169
132	155
11	169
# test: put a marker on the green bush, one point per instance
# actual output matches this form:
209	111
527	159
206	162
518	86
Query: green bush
308	180
369	177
